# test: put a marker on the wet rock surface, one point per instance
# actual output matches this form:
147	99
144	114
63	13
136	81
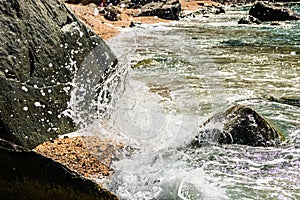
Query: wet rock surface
169	9
42	46
249	20
239	125
292	100
268	12
25	174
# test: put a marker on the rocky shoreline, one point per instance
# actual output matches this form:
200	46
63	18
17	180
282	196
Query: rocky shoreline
107	29
88	158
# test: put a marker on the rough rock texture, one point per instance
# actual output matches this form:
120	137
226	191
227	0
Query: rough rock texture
88	156
42	46
25	174
169	9
268	12
239	125
249	20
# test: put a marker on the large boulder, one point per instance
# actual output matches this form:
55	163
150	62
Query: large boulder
168	9
25	174
43	46
268	12
238	125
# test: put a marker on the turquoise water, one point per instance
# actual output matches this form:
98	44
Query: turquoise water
180	74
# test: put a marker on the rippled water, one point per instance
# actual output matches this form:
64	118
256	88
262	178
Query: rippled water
181	74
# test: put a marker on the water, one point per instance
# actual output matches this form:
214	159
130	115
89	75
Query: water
181	73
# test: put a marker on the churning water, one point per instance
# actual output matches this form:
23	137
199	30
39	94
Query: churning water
181	73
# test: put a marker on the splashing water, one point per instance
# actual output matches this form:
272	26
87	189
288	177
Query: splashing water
170	79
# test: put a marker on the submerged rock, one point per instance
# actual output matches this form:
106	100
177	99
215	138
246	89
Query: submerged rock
292	100
249	20
43	45
268	12
169	9
25	174
239	125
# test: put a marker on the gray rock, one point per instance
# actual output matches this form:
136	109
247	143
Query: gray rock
25	174
43	45
268	12
169	9
239	125
249	20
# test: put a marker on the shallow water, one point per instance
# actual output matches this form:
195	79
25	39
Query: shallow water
182	73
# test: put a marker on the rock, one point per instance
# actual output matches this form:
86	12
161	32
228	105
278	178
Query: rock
73	1
169	9
43	46
239	125
249	20
25	174
287	99
85	2
219	10
112	13
275	24
134	24
140	3
268	12
98	2
89	156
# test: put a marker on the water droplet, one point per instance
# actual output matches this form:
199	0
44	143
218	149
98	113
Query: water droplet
24	88
37	104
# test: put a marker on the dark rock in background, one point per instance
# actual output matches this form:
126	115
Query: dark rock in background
268	12
292	100
42	47
85	2
25	174
74	1
112	13
249	20
239	125
169	9
219	10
